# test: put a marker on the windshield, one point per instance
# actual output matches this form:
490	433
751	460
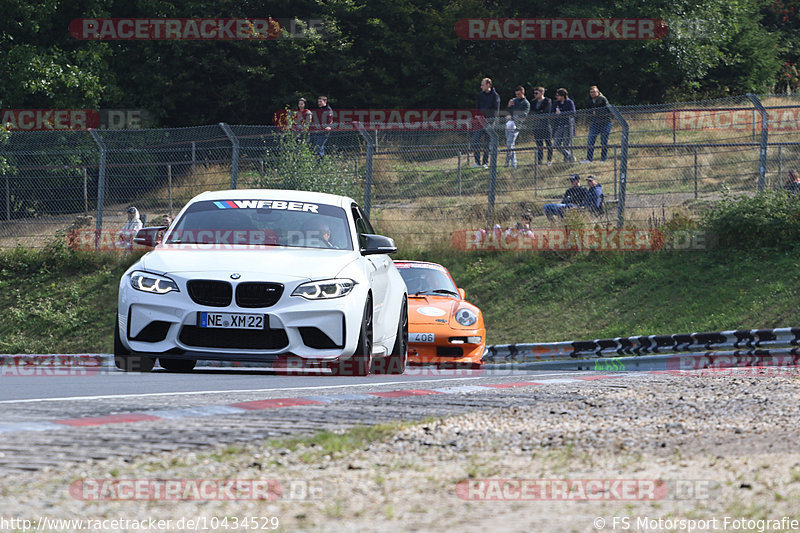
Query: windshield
263	223
427	280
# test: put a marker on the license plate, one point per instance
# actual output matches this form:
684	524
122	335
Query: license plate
421	337
232	320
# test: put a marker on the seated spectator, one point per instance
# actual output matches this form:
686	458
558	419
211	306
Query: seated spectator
595	195
792	185
523	227
129	229
575	196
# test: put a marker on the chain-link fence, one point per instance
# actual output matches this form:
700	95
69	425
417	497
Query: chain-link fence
421	184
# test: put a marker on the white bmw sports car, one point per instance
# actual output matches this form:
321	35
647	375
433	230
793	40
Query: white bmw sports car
268	276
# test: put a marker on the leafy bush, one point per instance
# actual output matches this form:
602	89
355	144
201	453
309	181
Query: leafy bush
767	220
294	164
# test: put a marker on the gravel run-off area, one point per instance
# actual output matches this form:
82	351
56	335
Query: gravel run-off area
721	452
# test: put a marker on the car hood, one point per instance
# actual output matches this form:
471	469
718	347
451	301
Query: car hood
432	309
273	261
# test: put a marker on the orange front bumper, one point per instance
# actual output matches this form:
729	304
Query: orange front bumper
444	352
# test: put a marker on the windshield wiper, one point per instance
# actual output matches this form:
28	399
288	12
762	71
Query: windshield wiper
437	291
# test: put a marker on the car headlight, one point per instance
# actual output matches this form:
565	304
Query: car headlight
325	289
147	282
466	317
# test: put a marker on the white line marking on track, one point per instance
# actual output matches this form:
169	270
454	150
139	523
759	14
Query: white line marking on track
320	387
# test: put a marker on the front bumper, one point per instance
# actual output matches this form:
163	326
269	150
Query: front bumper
167	325
447	348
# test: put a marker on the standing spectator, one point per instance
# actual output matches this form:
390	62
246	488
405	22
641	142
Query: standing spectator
575	196
302	117
594	199
542	130
792	185
564	124
129	229
488	105
323	123
599	124
518	108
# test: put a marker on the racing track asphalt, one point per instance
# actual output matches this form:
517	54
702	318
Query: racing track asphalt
71	383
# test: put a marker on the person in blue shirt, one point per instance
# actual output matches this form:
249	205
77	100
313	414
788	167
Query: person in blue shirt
594	200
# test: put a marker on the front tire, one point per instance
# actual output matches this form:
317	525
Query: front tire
127	362
361	361
395	362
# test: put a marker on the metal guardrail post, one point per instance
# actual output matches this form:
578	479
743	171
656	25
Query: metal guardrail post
762	154
623	163
368	166
234	155
490	129
101	185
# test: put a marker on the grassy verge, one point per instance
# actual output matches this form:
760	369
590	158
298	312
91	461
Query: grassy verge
61	301
546	297
56	300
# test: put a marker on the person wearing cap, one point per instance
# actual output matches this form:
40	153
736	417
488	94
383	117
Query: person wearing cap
594	195
129	229
575	196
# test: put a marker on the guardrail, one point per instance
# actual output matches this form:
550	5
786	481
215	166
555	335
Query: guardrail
743	342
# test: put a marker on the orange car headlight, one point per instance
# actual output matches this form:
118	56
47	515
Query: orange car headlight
466	317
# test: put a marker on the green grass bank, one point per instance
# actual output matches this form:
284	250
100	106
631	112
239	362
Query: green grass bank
60	301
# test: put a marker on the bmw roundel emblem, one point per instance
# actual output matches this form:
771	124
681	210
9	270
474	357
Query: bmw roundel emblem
236	275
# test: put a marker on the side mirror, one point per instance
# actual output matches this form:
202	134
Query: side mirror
372	244
148	237
462	293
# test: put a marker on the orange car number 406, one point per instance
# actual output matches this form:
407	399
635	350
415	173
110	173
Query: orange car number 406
421	337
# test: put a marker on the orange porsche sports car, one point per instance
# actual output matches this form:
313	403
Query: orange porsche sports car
443	327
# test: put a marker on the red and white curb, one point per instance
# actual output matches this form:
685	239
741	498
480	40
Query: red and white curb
272	403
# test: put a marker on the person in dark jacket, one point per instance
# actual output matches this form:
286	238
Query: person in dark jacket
564	124
541	107
599	124
322	124
489	107
575	196
792	185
